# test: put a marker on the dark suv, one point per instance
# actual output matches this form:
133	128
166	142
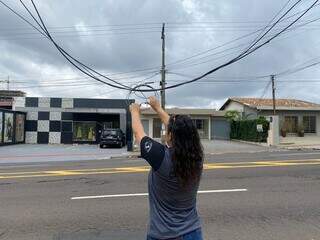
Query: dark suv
112	137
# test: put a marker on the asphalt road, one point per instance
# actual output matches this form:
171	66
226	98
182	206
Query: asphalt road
278	197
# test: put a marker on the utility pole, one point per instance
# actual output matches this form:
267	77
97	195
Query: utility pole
163	81
163	70
273	95
8	83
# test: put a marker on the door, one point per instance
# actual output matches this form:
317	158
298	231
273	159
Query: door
220	129
291	124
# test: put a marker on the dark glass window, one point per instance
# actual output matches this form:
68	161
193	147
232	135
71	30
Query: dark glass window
309	124
84	131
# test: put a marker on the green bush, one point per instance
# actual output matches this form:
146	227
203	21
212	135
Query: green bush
247	130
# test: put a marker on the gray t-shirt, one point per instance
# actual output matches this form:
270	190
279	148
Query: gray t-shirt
172	208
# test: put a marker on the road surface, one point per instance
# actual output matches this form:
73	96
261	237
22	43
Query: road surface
266	195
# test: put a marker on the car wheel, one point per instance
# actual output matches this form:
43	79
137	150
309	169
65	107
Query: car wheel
101	145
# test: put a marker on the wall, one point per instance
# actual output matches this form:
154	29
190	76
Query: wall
49	120
235	106
210	134
250	113
300	115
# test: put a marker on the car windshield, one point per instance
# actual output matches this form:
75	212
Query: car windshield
110	132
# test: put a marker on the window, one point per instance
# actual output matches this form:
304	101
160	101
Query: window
309	124
20	128
110	132
8	127
199	123
84	131
202	126
157	125
291	124
145	124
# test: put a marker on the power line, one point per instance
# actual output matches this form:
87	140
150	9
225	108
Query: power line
181	64
298	68
232	41
88	71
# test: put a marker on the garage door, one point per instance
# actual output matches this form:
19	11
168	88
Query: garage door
220	129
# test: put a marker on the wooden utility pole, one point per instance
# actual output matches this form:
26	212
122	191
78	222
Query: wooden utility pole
273	95
163	70
163	81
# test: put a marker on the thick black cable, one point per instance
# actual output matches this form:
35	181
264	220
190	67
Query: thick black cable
273	25
227	43
64	53
241	56
195	62
233	60
42	33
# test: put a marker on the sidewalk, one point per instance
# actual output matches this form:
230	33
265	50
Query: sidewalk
214	147
28	153
300	143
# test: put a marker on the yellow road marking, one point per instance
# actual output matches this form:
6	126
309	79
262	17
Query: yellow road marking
140	169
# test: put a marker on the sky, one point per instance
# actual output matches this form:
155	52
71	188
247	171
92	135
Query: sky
122	39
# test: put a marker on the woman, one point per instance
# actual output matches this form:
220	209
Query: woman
175	175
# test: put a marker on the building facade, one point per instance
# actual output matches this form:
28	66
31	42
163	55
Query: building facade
72	120
293	114
210	124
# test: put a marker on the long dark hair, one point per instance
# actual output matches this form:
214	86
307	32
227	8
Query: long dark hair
187	151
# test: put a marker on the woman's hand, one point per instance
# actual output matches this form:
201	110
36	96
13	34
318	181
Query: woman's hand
134	108
154	103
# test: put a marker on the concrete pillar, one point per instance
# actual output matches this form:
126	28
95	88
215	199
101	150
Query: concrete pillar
123	122
274	131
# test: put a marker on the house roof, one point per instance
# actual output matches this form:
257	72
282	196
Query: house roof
12	93
186	111
5	102
267	104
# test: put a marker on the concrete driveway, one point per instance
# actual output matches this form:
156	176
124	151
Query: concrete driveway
25	153
223	146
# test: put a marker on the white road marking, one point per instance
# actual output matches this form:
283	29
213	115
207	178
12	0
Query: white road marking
146	194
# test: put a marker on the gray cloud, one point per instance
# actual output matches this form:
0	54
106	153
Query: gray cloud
26	56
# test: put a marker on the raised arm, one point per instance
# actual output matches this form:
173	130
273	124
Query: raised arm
154	103
137	127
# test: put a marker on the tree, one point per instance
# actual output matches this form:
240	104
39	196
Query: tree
232	115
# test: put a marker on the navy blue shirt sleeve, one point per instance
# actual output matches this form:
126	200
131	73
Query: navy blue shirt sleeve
152	151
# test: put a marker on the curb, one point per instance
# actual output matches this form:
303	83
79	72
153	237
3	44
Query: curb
252	143
300	148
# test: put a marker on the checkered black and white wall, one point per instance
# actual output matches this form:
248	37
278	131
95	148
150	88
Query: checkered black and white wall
47	120
50	120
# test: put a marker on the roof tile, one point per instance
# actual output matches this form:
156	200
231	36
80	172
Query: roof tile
259	102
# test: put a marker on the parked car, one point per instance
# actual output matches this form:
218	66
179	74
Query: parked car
112	137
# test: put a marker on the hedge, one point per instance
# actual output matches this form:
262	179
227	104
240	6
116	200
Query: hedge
247	130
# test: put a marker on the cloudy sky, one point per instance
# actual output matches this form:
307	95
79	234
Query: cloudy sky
122	40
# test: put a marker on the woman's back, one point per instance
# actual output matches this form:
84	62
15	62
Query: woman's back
172	207
174	177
